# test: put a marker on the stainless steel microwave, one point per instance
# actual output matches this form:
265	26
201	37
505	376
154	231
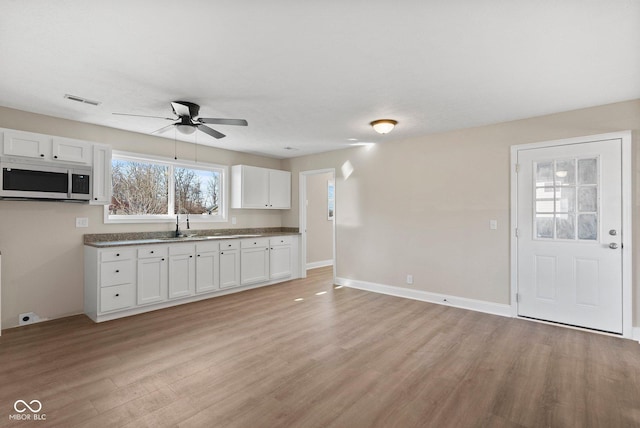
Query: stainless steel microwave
34	179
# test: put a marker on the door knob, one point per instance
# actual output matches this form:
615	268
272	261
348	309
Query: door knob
613	232
613	246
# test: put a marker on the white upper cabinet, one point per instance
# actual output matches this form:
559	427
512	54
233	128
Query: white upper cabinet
26	144
260	188
46	147
64	149
101	175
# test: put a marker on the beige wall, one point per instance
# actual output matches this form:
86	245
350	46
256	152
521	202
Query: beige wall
422	206
40	245
319	228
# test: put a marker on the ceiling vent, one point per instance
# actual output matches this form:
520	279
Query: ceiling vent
81	100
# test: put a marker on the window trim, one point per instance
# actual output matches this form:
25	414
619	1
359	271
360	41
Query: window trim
170	218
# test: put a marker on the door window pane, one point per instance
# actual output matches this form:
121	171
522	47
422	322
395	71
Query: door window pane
565	226
587	199
587	227
544	173
588	171
566	200
544	226
565	172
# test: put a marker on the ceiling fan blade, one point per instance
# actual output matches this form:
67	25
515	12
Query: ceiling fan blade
163	129
212	132
142	115
239	122
180	109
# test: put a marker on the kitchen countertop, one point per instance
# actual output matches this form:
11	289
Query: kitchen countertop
148	238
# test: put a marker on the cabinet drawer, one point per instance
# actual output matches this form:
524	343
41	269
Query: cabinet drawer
119	254
116	297
209	246
254	243
280	240
229	245
176	250
114	273
152	251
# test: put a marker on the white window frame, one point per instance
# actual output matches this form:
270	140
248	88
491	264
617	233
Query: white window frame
171	218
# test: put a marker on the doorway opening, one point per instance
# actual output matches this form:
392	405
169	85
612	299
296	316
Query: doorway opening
317	219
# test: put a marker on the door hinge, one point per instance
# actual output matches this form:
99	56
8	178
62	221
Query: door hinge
517	297
517	168
516	232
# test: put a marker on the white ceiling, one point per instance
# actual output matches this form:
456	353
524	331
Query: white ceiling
312	75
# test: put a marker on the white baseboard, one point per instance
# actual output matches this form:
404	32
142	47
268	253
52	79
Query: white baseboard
426	296
635	334
321	263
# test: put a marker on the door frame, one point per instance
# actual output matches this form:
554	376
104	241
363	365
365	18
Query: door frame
627	215
302	192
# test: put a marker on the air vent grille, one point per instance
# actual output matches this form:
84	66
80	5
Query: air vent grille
81	100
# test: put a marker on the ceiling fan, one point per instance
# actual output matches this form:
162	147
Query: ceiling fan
188	121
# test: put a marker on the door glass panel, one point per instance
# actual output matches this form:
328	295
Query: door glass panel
587	198
566	199
588	171
565	172
544	226
565	226
544	173
588	227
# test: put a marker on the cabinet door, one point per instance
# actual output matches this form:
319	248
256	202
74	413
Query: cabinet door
255	187
26	144
207	271
182	269
280	261
152	280
279	189
66	150
101	175
254	265
229	268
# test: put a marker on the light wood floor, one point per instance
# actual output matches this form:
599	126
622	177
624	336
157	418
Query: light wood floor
345	358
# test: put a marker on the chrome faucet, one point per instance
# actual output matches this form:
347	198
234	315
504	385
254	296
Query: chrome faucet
178	233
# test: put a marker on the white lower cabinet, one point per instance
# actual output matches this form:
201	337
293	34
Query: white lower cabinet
126	280
229	264
207	267
254	261
182	271
280	257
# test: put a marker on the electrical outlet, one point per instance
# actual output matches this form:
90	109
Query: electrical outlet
409	279
28	318
233	220
82	222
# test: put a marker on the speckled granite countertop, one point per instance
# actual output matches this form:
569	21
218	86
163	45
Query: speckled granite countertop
105	240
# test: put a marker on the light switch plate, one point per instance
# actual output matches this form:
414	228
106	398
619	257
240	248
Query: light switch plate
82	222
493	224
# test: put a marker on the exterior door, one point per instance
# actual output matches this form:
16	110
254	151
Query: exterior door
569	237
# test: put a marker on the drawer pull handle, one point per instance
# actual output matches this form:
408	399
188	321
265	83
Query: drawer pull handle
152	252
190	257
117	270
162	259
117	294
118	255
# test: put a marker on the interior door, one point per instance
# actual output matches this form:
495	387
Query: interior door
569	234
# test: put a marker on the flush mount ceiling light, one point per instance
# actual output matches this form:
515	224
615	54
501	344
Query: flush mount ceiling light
384	126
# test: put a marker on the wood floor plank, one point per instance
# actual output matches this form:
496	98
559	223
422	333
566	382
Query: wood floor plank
339	357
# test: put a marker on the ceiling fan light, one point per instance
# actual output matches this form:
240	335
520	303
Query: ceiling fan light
383	126
186	129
